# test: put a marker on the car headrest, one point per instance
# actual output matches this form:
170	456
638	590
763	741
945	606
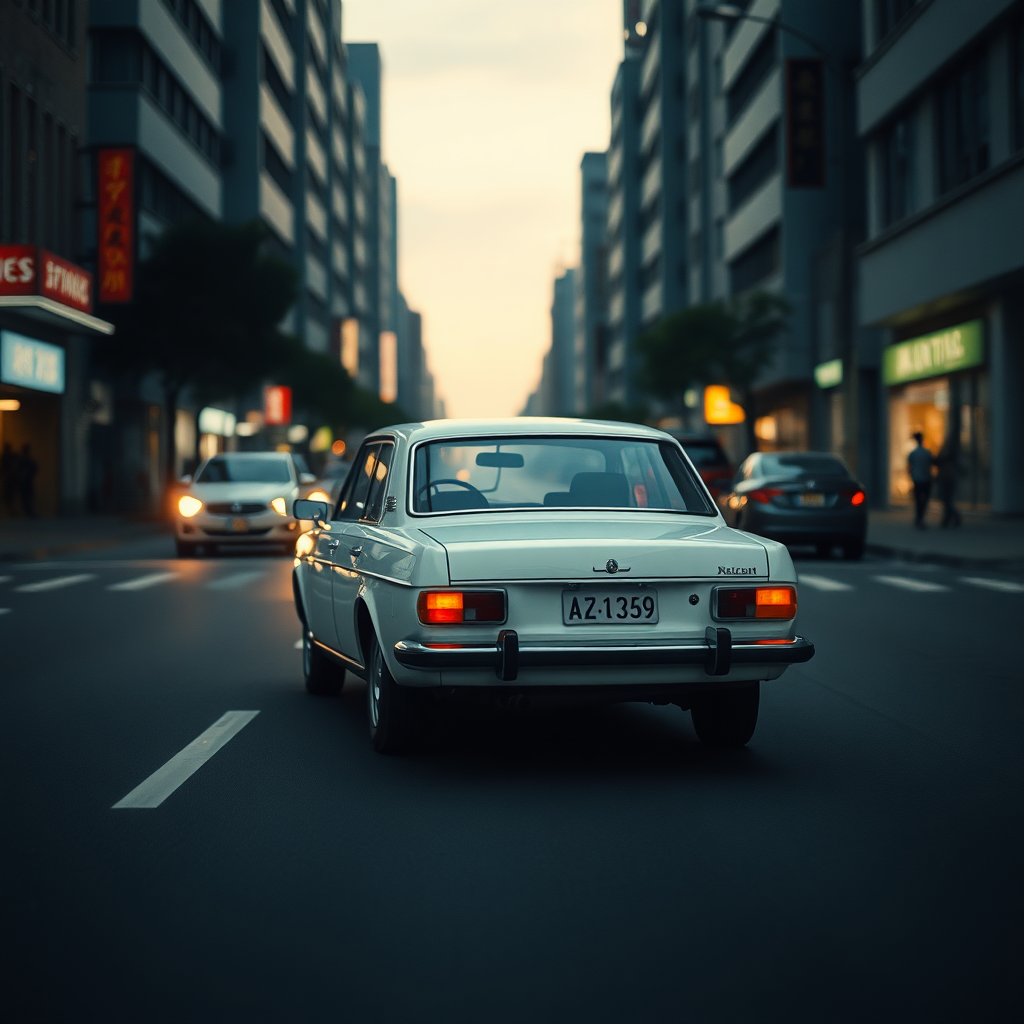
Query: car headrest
558	498
457	501
604	490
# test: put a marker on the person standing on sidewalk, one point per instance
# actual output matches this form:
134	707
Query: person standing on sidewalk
945	482
919	465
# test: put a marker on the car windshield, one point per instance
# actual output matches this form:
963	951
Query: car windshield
224	469
555	472
796	466
705	453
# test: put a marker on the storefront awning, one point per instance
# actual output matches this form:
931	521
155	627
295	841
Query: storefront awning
39	307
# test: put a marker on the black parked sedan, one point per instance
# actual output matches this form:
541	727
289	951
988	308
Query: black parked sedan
799	498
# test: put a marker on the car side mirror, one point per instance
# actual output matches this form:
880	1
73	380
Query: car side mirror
186	479
303	508
307	478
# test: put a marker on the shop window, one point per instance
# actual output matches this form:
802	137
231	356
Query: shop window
963	129
757	263
897	171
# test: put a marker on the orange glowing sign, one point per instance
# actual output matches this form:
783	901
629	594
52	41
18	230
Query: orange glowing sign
115	246
719	408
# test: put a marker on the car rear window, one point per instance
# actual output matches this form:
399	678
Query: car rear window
224	469
556	473
800	465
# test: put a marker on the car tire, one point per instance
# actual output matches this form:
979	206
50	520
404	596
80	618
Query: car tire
322	676
853	551
392	711
727	718
185	549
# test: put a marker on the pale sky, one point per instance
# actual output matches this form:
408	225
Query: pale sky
489	106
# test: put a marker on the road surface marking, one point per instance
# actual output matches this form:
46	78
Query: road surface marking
164	781
4	611
907	583
55	584
822	582
238	579
141	582
6	579
297	645
1006	586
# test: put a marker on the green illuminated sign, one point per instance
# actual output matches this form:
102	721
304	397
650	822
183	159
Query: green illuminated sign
955	348
828	375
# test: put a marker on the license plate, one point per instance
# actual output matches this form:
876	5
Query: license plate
240	525
811	500
607	606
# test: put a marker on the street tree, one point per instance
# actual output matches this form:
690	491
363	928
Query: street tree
208	301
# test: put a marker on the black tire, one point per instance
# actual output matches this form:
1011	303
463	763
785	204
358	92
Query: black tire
853	551
185	549
392	711
727	718
323	677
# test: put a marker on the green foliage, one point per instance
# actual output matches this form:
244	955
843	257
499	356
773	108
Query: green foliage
618	412
727	342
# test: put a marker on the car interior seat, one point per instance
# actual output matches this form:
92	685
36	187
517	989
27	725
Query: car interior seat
601	490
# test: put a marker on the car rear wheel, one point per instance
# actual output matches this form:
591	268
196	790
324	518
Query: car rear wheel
323	678
727	718
392	711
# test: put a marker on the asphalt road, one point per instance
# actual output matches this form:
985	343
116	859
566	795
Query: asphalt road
859	861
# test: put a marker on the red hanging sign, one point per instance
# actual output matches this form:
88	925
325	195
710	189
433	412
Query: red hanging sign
116	227
277	406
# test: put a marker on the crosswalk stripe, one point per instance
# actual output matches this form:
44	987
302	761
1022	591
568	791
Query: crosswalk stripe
55	584
823	582
141	582
238	579
907	583
6	579
1004	586
4	611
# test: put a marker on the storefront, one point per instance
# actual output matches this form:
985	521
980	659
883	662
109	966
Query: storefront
938	385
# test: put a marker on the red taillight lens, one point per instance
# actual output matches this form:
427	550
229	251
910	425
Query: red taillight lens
756	603
859	497
437	607
764	494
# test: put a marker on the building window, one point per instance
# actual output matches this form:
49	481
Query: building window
273	78
962	116
758	262
888	14
758	166
897	171
162	198
758	67
276	167
193	21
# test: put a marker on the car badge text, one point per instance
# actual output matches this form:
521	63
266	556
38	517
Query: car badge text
734	570
611	567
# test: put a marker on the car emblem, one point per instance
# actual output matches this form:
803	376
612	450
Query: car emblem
236	507
810	485
611	567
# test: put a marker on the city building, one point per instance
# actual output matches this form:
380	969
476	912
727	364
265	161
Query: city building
47	316
556	390
591	284
940	108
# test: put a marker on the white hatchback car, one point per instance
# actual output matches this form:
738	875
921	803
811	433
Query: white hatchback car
528	557
240	498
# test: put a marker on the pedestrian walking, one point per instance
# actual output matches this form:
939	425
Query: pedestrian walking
9	477
945	482
919	465
27	469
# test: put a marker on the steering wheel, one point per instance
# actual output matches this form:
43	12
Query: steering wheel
448	480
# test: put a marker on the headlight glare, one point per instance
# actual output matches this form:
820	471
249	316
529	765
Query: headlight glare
189	506
280	506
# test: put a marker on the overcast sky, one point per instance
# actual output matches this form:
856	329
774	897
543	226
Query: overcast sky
488	109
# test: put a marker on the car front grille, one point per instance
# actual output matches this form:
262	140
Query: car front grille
236	533
236	508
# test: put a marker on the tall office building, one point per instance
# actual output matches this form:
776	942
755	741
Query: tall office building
941	110
591	283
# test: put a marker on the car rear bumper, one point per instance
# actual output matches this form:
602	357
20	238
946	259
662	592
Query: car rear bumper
716	653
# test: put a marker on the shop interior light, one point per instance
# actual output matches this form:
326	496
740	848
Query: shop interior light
280	506
189	506
9	405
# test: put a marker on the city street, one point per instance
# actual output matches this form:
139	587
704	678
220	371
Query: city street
859	860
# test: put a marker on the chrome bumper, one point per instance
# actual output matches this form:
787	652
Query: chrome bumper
717	653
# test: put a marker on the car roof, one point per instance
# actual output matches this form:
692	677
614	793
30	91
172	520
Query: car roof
437	430
253	455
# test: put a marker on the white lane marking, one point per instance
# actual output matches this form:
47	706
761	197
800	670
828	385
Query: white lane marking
6	579
238	579
1005	586
141	582
55	584
164	781
907	583
4	611
822	582
297	646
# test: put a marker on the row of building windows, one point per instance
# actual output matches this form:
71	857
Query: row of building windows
193	21
757	167
748	82
125	58
159	196
57	16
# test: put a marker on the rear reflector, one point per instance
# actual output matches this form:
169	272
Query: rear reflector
764	494
755	603
438	607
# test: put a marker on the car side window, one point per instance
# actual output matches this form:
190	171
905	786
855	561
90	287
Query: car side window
353	499
379	484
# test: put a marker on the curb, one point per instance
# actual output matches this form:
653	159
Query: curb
936	558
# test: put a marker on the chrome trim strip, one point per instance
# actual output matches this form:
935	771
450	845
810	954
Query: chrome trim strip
344	657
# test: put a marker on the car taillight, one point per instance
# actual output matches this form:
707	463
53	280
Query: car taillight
859	497
756	603
439	607
764	494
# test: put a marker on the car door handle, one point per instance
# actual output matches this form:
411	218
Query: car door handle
357	549
331	544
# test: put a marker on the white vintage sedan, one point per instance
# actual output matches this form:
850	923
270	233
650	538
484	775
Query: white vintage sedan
531	558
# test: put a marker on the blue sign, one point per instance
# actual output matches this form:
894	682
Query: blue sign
30	363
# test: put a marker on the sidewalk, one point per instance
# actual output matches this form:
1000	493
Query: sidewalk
983	541
30	539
